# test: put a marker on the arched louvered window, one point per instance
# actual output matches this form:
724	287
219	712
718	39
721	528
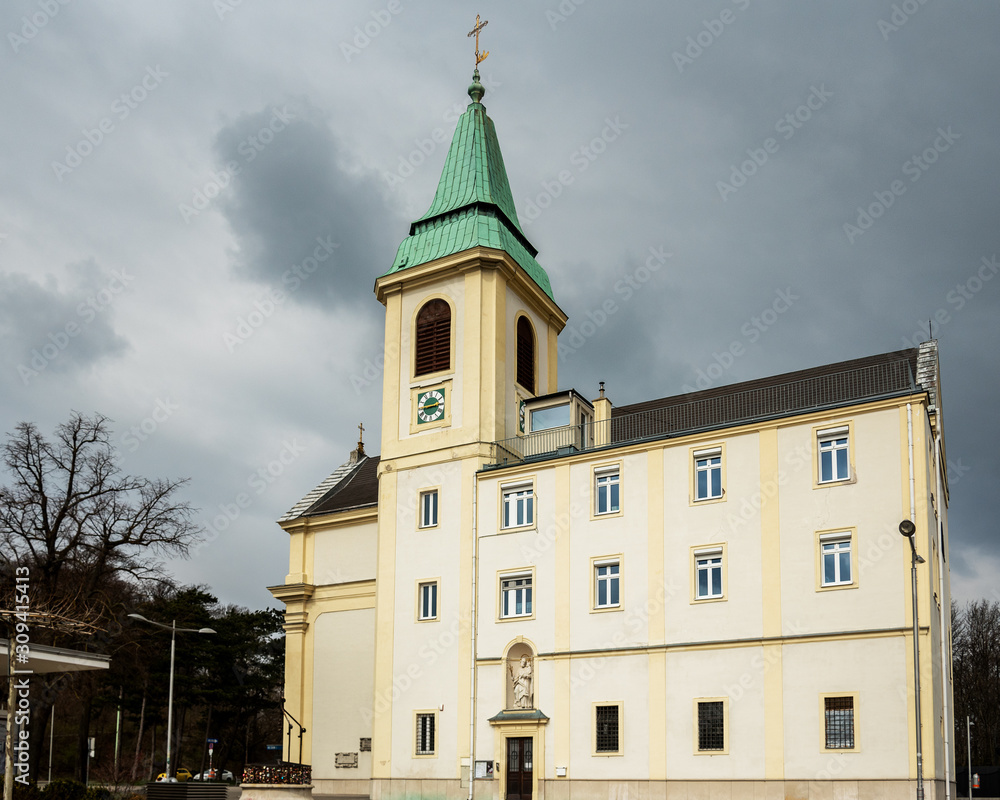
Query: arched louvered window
433	338
525	354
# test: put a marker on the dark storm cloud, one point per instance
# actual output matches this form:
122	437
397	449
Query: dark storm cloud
51	329
307	224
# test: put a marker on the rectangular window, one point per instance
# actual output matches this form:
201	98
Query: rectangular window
708	474
833	455
515	596
429	508
839	723
711	725
425	734
708	573
607	729
606	575
428	601
518	505
835	554
606	490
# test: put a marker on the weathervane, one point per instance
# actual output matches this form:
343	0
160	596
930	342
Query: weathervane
480	57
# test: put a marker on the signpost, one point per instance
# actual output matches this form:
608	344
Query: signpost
211	747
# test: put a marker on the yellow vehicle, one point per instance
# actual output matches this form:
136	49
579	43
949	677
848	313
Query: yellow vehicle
182	775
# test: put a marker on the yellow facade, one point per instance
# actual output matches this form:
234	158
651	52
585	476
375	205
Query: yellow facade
745	633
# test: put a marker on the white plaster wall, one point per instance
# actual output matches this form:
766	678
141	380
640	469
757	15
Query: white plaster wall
714	674
735	521
873	504
426	664
342	555
609	680
876	669
343	689
626	534
454	290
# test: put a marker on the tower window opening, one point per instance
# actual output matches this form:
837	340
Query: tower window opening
433	349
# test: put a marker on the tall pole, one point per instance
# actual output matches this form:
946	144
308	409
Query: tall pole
170	698
968	746
916	669
52	732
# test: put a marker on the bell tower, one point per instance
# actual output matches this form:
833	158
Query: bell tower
471	322
470	334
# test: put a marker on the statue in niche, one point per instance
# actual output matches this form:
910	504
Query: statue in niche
523	695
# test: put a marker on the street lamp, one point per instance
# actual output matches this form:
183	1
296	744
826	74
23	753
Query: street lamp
174	630
968	746
908	529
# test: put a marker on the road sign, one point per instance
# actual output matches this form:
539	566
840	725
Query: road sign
212	741
274	747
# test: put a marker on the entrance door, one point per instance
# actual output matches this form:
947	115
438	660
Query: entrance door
519	765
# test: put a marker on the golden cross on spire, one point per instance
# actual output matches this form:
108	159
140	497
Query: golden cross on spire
361	432
480	57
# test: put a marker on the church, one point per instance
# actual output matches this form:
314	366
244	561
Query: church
531	592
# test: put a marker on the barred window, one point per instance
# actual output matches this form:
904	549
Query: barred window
711	725
839	723
525	354
607	729
433	338
425	734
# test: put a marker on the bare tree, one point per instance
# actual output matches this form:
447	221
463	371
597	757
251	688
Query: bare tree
86	533
976	670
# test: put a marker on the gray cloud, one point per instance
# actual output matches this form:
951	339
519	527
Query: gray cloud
50	329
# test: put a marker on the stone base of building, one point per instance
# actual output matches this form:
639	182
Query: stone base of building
563	789
346	788
276	791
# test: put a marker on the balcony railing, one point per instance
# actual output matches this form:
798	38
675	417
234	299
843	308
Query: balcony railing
722	410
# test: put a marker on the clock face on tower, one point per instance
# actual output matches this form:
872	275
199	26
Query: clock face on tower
430	406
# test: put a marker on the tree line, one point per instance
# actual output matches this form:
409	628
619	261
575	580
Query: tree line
92	540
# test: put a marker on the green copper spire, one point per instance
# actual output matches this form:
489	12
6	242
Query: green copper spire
473	205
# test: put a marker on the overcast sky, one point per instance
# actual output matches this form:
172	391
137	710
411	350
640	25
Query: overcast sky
167	167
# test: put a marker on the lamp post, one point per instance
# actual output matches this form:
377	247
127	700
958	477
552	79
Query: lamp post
908	529
968	746
174	630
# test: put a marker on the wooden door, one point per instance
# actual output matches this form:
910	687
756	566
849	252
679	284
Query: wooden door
519	768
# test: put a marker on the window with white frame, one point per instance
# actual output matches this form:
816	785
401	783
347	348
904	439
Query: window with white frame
515	596
606	490
429	508
835	559
425	734
834	452
607	574
838	722
518	505
708	573
427	600
708	474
